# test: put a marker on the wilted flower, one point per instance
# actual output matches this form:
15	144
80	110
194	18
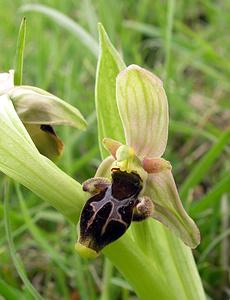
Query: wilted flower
39	111
137	175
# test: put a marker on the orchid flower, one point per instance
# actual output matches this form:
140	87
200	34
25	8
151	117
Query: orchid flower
143	108
22	155
39	111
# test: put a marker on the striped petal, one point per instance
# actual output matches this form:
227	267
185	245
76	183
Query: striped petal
162	189
143	108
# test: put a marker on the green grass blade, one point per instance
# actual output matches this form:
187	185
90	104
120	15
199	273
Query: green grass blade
207	201
107	275
81	273
213	244
147	29
109	65
20	53
66	23
168	37
189	130
16	259
84	159
91	16
8	292
201	168
36	233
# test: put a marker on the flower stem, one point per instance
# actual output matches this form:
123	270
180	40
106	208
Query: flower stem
138	269
107	274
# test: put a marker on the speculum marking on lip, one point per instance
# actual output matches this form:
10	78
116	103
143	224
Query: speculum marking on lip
107	215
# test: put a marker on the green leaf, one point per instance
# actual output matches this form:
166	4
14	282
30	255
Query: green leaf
65	22
201	168
20	53
109	65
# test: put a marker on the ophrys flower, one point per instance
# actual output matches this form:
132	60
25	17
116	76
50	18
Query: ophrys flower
143	109
39	111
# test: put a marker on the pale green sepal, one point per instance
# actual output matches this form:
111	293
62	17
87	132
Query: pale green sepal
6	82
143	108
36	106
161	188
109	65
85	251
21	161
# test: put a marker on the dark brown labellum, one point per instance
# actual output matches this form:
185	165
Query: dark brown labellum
107	215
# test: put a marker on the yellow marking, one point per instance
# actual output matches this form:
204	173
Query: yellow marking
85	251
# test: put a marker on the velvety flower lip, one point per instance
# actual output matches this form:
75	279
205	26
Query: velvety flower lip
143	109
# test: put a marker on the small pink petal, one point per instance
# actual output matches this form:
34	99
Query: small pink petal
155	165
111	145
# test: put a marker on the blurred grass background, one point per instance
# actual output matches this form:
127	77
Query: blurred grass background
194	63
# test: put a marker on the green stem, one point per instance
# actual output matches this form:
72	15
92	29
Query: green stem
80	278
171	258
184	263
138	269
168	37
107	274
